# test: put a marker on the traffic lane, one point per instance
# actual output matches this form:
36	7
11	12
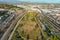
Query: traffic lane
42	13
11	27
6	22
48	21
54	23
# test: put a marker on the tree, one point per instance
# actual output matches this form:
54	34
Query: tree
55	37
22	31
27	36
36	37
51	38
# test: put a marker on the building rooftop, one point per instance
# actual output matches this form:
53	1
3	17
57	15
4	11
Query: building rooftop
3	9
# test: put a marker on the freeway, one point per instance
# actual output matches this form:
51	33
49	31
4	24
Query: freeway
54	21
15	28
51	24
55	29
9	30
12	26
23	34
6	22
4	25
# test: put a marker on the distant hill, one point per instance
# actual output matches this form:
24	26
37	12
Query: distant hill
4	2
33	3
27	3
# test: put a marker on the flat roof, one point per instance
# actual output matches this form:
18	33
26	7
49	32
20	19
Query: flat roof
3	9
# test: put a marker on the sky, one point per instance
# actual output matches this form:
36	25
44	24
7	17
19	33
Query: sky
41	1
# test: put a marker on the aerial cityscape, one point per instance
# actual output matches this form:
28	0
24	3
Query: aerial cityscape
29	20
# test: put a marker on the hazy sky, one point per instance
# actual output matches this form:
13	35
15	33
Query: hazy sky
41	1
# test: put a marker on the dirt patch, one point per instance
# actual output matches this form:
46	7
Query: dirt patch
30	26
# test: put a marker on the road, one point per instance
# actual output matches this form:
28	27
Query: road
9	30
15	27
51	24
12	26
47	21
5	24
